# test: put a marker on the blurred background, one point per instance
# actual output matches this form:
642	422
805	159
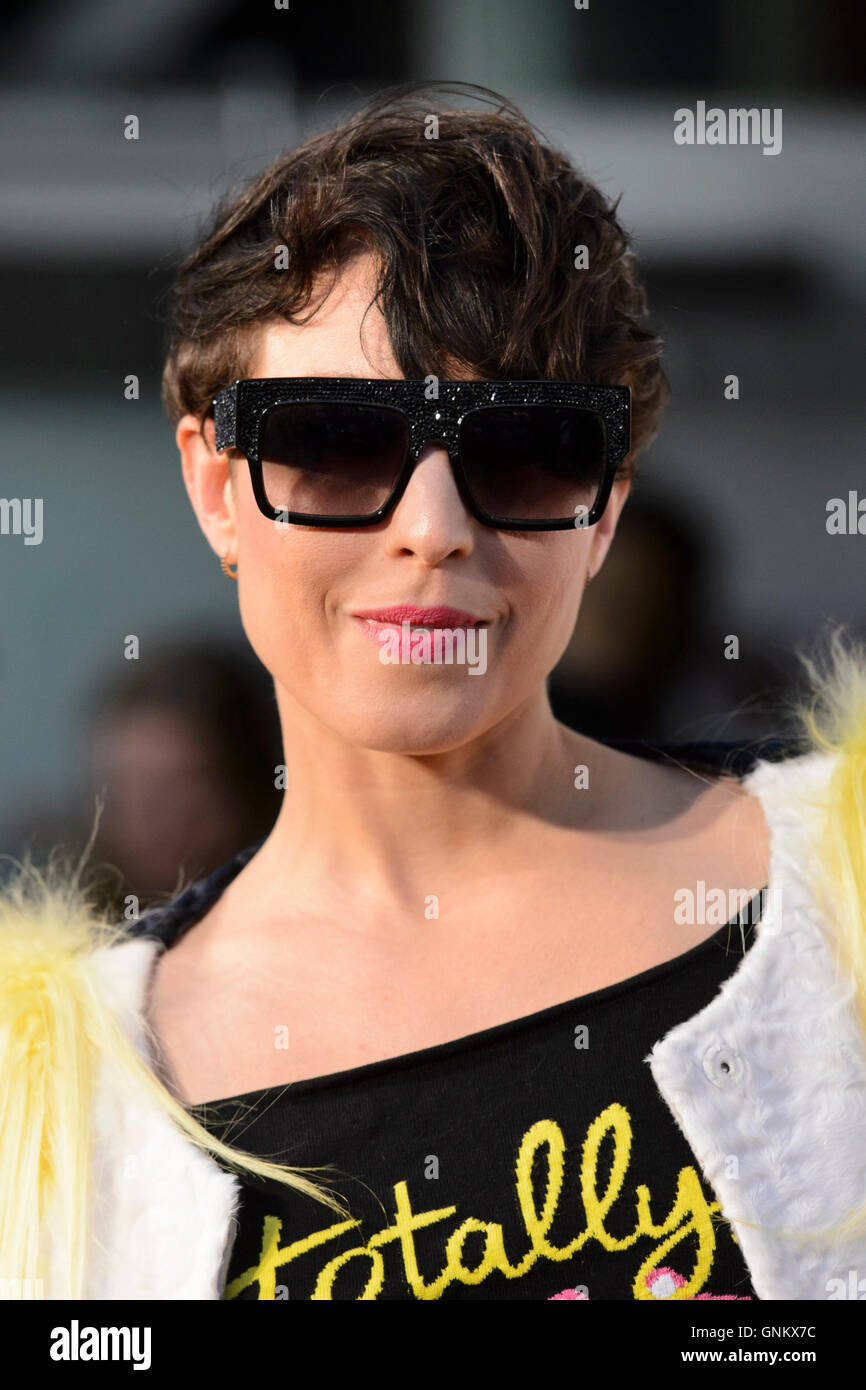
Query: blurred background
753	263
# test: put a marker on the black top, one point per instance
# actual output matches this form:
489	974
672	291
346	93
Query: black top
532	1160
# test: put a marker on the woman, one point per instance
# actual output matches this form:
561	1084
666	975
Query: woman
410	386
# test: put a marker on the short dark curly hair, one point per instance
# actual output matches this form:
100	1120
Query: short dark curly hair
474	232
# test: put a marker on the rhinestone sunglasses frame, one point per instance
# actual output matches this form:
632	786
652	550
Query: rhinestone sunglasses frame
239	410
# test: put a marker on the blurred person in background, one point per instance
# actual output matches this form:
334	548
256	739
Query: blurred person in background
646	652
182	747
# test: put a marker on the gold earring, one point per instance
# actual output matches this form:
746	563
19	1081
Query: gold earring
232	574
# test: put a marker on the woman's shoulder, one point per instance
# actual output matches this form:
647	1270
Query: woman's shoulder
167	922
774	1067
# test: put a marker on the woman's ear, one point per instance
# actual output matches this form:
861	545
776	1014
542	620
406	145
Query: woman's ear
207	477
604	529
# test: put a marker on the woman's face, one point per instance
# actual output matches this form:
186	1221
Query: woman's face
301	587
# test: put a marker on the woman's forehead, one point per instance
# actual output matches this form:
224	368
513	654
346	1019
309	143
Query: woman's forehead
328	339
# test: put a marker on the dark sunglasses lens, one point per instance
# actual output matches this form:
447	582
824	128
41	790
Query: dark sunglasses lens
534	462
331	458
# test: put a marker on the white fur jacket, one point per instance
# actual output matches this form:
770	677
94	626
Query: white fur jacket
767	1083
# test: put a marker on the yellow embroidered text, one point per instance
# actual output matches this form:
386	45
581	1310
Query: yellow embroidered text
690	1214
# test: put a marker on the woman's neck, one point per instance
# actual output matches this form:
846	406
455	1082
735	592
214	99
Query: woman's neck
396	824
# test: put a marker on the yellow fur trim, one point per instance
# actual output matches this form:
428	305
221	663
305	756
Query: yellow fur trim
56	1025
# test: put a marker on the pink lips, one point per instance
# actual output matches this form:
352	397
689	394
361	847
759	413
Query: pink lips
376	620
440	616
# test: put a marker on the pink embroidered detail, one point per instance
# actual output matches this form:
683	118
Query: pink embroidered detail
662	1282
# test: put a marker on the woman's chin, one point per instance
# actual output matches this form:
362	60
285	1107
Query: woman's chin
429	722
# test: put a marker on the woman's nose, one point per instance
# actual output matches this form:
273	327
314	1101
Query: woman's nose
430	515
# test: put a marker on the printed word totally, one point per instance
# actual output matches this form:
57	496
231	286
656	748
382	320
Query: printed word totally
604	1163
738	126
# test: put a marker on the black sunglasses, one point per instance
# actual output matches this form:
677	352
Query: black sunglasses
339	451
